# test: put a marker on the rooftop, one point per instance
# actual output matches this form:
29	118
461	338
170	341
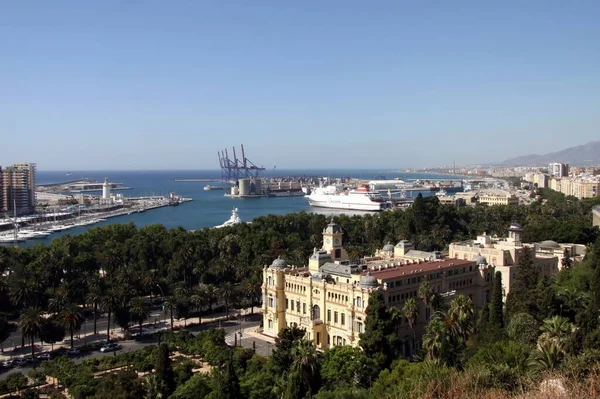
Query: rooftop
424	267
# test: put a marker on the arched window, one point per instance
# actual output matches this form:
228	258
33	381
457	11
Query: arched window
316	312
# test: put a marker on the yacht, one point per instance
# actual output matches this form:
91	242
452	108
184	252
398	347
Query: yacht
361	199
233	219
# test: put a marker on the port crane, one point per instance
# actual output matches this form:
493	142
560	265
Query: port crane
237	168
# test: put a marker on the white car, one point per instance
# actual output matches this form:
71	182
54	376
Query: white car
110	347
73	352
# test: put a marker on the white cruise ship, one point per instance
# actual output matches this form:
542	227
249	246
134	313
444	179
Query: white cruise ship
360	199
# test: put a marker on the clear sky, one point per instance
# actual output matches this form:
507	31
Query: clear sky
136	84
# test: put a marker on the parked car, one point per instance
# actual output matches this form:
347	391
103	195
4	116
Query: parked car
45	356
110	347
8	363
20	361
73	352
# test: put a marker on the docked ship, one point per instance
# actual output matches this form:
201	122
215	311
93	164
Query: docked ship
360	199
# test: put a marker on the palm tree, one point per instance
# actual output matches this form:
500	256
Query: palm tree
557	330
461	315
139	310
109	303
31	323
306	363
199	301
95	297
548	356
71	319
410	311
426	293
211	295
253	292
228	293
435	339
153	386
60	298
171	302
574	300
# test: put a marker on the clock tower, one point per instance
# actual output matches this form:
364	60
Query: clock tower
332	242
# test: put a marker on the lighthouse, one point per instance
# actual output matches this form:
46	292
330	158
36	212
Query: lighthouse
106	189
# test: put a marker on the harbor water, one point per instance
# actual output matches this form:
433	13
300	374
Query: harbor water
208	208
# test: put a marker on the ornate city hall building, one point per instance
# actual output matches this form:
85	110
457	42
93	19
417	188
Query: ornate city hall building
329	297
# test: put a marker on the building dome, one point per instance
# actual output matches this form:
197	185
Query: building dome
368	281
388	248
279	263
480	260
549	243
332	228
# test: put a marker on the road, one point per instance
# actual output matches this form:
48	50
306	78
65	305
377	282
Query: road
157	317
231	327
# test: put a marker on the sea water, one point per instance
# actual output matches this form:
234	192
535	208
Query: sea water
208	208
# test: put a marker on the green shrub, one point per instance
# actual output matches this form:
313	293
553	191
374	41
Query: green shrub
523	328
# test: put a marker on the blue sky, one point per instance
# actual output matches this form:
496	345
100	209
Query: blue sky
163	85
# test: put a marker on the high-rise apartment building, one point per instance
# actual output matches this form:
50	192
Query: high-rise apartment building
557	169
17	188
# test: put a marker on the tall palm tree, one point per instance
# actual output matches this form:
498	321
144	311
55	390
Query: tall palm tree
31	323
211	295
171	303
435	339
199	300
426	293
306	364
253	292
140	310
109	302
21	291
71	319
95	296
60	298
461	315
228	293
410	311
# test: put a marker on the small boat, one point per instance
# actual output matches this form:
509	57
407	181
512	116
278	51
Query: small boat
233	219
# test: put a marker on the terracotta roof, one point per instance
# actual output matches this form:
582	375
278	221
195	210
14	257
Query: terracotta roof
418	268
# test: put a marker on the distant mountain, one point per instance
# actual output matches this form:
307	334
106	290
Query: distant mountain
587	154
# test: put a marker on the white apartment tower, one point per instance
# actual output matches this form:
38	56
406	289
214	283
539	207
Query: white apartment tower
557	169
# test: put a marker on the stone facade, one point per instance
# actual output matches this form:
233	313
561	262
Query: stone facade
504	254
329	297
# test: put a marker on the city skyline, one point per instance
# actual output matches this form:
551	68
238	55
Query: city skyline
150	85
